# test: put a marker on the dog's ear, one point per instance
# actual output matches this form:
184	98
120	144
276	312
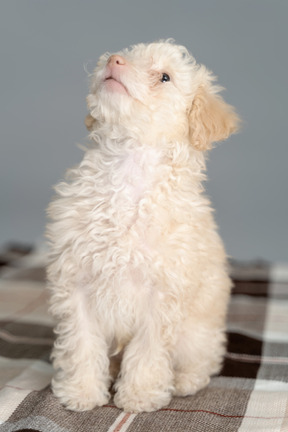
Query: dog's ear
210	119
89	121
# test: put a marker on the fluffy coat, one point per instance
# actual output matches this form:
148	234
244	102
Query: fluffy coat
137	272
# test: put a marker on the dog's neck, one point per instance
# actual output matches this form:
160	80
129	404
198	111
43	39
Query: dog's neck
117	141
144	133
121	134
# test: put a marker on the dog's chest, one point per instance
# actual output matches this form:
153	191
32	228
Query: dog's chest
134	174
113	216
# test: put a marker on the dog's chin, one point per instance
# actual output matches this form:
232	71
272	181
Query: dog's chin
114	86
111	103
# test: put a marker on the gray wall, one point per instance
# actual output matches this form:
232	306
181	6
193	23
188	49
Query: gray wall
45	46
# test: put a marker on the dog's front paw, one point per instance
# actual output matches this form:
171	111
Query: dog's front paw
131	400
188	384
80	397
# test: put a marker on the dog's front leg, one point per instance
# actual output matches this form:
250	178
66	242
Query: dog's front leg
146	378
79	356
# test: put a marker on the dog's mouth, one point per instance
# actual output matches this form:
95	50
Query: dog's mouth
114	85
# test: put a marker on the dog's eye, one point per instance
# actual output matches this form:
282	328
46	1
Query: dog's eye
165	78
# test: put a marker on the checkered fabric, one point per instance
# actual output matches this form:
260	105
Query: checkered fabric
250	394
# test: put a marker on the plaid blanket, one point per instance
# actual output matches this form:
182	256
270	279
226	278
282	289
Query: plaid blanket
250	394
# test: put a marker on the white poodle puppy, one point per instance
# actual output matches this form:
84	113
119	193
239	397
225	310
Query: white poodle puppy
137	271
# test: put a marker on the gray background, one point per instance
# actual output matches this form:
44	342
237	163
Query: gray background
46	47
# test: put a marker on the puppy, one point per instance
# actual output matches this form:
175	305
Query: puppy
137	270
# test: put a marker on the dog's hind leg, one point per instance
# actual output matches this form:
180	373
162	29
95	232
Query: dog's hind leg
197	355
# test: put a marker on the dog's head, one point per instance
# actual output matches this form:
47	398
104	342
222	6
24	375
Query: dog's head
160	88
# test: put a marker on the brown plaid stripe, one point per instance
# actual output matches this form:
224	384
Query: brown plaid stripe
250	394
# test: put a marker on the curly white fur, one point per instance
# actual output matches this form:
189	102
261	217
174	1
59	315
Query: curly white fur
137	270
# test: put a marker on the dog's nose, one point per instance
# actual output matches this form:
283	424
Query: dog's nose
116	60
